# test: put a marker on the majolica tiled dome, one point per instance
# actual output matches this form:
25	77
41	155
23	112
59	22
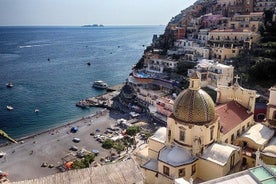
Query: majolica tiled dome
194	105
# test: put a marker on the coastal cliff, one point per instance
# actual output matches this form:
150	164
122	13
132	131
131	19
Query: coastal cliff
255	58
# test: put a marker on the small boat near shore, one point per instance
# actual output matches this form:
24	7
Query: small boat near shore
2	154
9	85
100	84
10	108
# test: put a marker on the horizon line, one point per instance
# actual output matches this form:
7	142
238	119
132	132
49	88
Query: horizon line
103	25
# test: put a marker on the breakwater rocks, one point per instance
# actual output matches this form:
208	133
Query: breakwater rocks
104	100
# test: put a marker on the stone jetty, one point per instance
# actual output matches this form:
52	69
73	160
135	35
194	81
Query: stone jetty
104	100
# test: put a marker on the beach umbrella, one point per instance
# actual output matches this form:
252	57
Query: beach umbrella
74	129
96	152
69	165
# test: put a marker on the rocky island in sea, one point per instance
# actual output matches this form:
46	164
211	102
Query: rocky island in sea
93	25
196	130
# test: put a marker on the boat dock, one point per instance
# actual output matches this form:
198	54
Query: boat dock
103	100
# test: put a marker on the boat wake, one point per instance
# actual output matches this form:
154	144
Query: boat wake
30	46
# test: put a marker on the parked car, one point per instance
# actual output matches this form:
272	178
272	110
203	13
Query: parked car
74	148
76	139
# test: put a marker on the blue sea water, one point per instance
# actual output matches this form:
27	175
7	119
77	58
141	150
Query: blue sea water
55	85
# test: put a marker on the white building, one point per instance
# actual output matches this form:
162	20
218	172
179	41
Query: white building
213	74
190	49
203	36
157	65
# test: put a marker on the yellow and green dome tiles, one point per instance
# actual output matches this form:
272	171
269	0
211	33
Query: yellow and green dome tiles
194	106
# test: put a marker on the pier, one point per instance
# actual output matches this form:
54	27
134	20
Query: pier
5	135
103	100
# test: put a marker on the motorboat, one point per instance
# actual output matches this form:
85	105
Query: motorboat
2	154
36	110
100	84
10	108
9	85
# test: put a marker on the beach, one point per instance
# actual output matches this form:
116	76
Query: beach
24	160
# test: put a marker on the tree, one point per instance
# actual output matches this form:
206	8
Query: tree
107	144
84	162
133	130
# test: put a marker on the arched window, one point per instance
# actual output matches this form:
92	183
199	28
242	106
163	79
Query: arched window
182	134
181	173
211	133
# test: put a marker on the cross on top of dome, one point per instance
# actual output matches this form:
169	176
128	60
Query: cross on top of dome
236	80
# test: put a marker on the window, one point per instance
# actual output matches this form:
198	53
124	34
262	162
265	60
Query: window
166	170
169	134
232	161
182	135
211	133
238	132
226	141
232	137
243	128
181	173
193	169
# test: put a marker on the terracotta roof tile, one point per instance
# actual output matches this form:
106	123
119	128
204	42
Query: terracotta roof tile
231	115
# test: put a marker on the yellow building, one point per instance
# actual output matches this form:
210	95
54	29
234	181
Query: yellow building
261	136
226	43
249	21
190	146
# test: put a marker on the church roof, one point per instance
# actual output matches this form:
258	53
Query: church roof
152	165
231	115
160	135
270	149
124	172
219	153
195	75
259	133
194	106
175	156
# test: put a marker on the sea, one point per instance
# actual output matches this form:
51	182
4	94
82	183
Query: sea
48	68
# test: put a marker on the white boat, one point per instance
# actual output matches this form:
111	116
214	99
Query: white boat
2	154
9	85
36	110
100	84
9	107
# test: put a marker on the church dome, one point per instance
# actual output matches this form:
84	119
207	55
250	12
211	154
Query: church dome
175	156
194	105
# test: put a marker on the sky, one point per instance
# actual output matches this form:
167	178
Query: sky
81	12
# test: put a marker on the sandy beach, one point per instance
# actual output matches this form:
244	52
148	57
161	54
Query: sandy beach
24	159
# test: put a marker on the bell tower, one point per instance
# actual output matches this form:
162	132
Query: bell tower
194	81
